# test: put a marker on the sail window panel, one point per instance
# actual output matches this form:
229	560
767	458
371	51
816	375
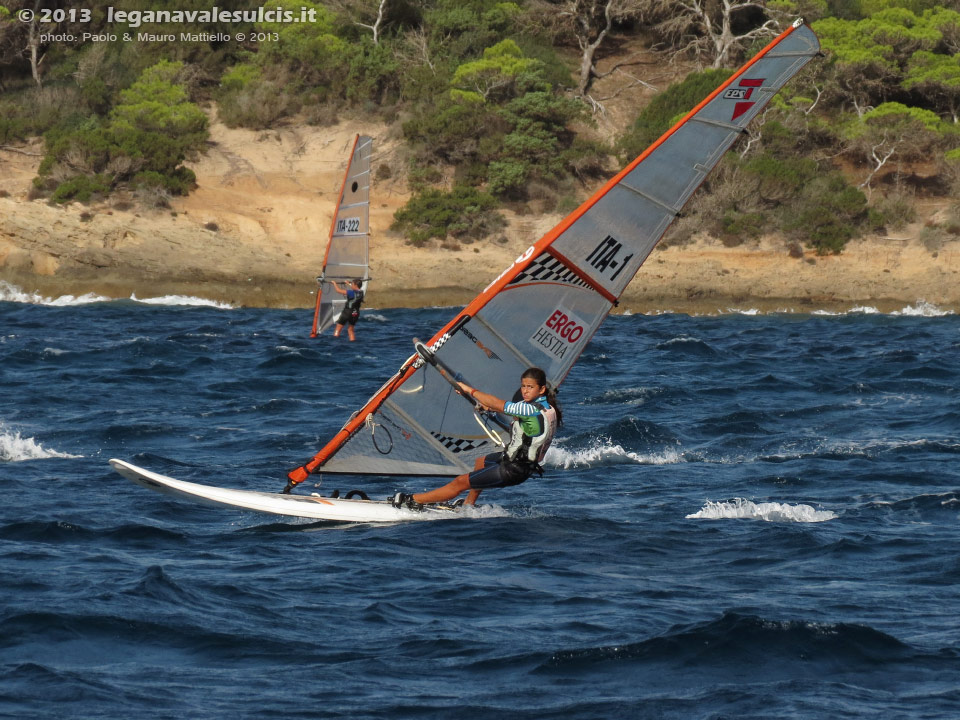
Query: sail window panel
678	166
550	324
483	360
331	307
613	237
347	257
356	188
393	446
428	405
355	193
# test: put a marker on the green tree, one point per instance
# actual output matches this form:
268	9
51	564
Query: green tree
307	56
497	76
936	77
893	133
311	48
826	215
883	57
872	7
464	213
155	123
146	138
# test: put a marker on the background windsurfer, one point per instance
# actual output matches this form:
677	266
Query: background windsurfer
536	418
351	312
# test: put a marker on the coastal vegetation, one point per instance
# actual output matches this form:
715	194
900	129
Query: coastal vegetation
496	103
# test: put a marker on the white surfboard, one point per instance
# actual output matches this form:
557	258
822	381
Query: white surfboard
302	506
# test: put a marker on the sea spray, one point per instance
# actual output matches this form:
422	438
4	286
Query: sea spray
14	448
740	508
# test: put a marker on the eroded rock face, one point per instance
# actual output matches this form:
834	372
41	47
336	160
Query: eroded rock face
255	230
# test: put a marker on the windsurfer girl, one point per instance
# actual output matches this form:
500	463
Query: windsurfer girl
534	421
351	311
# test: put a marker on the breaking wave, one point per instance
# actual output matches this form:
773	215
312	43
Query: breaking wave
922	308
606	452
11	293
739	508
182	300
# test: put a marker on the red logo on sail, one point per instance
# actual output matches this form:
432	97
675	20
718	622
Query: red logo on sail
567	327
560	331
742	93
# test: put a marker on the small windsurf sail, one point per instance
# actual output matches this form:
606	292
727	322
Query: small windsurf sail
348	249
543	309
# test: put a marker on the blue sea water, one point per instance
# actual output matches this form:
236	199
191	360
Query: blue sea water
744	516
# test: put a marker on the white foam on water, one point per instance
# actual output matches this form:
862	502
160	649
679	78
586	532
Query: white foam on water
740	508
922	309
182	300
14	448
11	293
604	452
484	511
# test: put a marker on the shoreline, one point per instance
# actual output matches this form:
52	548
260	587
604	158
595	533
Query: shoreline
51	288
253	234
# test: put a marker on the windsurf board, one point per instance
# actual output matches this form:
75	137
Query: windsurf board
313	506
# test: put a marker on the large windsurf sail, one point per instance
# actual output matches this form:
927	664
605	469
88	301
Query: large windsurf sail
543	309
348	249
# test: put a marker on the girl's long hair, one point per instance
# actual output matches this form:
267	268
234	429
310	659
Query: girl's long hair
538	375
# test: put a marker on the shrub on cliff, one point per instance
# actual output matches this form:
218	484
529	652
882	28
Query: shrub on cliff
249	97
503	126
145	139
464	213
155	123
827	214
81	188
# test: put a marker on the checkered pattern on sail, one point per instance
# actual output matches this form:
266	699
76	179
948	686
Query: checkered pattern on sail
546	268
458	445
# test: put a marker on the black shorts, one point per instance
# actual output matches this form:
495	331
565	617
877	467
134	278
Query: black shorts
348	318
497	474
